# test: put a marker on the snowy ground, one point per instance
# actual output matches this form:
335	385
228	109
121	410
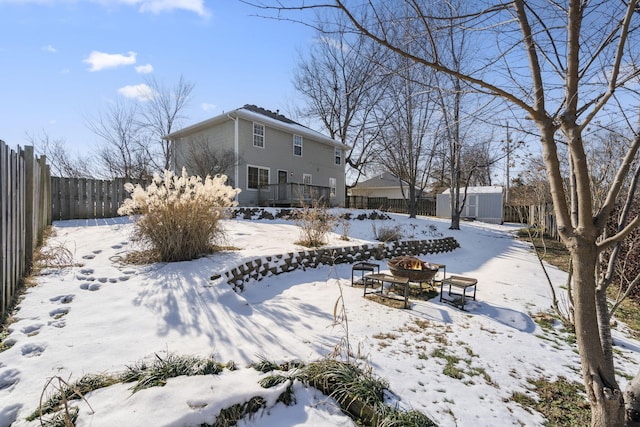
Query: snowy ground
102	315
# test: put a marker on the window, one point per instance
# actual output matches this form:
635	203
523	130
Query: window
297	145
257	177
338	155
306	179
332	187
258	135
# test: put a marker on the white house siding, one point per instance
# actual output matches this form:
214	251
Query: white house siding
483	204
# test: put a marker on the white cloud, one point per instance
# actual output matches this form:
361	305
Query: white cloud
100	60
49	48
208	107
152	6
144	69
141	92
158	6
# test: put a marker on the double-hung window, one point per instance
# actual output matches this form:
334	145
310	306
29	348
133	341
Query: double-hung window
297	145
257	177
332	187
258	135
338	156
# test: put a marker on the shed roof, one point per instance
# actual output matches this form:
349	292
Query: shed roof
489	189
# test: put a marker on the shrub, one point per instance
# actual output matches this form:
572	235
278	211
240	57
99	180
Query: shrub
387	232
315	221
179	216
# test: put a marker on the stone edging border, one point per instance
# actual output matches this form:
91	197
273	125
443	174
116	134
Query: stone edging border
266	266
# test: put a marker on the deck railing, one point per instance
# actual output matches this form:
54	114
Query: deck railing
294	194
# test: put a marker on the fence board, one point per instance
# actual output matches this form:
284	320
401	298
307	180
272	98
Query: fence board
424	207
79	198
25	205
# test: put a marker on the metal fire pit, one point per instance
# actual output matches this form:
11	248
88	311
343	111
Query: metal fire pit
427	273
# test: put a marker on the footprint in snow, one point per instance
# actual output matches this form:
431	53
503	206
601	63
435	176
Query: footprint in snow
9	378
32	350
64	299
97	251
9	342
32	329
60	323
90	286
86	271
59	312
88	256
116	247
9	414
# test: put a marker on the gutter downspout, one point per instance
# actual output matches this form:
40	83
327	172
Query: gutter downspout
236	144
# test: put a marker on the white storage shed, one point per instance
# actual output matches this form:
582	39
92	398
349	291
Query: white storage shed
483	204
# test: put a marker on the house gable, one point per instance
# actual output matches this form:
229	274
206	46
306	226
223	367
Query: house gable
382	185
266	140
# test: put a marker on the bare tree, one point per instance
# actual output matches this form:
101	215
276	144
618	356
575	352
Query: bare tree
160	114
205	159
560	64
123	153
62	163
408	139
341	82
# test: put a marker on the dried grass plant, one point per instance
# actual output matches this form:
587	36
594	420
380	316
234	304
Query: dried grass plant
180	216
315	221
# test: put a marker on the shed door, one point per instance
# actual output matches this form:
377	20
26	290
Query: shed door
472	205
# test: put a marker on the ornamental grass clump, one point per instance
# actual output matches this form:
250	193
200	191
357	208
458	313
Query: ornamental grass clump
180	216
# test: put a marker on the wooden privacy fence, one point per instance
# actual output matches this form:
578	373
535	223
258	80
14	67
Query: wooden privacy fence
538	216
25	212
425	207
80	198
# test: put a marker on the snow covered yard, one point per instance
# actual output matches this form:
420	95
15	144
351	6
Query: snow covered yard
459	368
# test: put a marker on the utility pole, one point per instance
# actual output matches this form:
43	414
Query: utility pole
508	197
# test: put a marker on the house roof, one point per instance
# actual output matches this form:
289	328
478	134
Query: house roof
255	113
489	189
383	180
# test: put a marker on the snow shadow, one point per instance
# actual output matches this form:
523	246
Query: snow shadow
185	301
93	222
504	315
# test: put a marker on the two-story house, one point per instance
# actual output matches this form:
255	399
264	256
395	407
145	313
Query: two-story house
272	159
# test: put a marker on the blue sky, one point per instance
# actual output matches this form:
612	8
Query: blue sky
63	61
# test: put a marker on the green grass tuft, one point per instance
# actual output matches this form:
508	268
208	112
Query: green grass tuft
157	373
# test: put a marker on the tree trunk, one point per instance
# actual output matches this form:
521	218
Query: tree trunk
455	221
413	205
605	397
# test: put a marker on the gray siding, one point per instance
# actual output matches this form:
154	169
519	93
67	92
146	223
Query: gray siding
317	160
317	157
220	138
